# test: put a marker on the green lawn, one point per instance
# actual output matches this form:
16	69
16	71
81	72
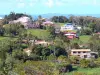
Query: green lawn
85	71
85	38
40	33
7	37
2	38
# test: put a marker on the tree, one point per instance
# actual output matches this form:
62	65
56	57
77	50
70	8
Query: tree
14	29
92	26
86	31
40	21
45	52
38	49
61	19
51	30
94	43
2	30
84	63
55	19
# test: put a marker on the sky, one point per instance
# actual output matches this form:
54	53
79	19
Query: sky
50	6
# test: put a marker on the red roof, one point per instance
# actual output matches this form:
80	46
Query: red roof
70	37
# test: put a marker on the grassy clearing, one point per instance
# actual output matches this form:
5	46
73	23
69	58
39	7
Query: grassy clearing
2	38
85	38
85	71
41	34
8	38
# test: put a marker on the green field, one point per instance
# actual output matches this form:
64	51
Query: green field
85	38
85	71
8	38
40	33
2	38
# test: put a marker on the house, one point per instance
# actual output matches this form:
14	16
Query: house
68	26
71	35
47	23
41	42
84	53
26	21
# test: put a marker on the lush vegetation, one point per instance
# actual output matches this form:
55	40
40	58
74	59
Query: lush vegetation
85	71
50	59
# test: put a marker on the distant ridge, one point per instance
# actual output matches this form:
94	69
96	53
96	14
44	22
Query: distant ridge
49	15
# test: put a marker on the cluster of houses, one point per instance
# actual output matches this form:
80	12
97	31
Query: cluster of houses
82	53
69	30
66	29
28	23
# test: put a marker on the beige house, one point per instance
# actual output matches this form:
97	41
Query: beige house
84	53
42	42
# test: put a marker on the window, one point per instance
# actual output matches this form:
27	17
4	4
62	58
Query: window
79	52
84	52
74	52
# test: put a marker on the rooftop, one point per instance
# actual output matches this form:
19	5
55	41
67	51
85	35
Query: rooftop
81	50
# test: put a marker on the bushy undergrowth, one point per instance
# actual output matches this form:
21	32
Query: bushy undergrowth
42	68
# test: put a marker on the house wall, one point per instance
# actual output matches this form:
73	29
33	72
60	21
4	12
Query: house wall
81	54
64	28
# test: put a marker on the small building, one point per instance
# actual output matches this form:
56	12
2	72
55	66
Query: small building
84	53
71	35
68	26
42	42
48	23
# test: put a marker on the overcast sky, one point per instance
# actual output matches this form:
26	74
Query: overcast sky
50	6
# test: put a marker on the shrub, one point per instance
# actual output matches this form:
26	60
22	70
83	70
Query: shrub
74	59
23	46
51	57
65	67
92	64
86	31
84	63
62	59
97	62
